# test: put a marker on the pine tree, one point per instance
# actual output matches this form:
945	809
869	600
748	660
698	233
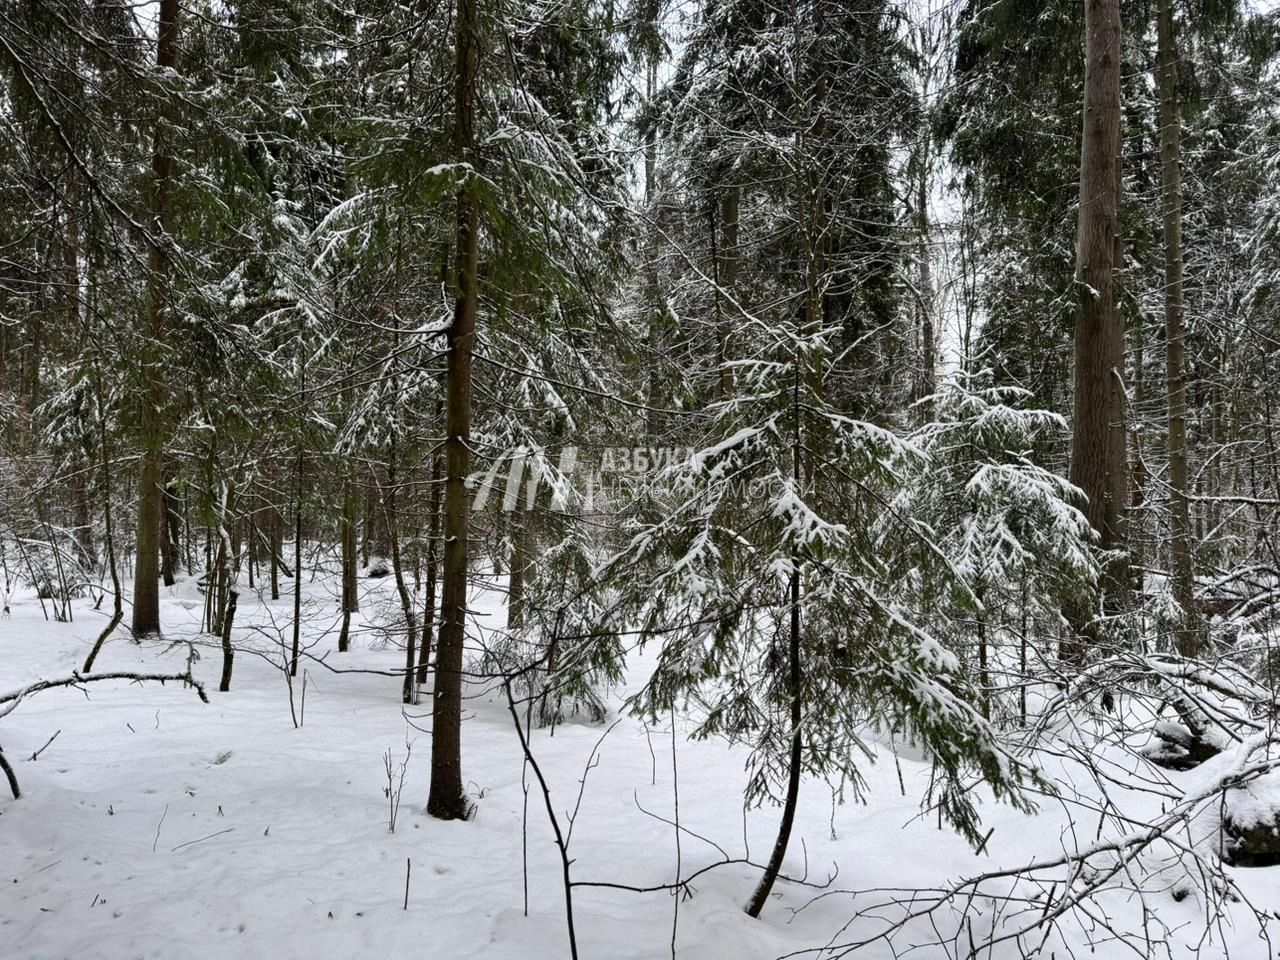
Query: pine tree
1175	344
152	399
1098	447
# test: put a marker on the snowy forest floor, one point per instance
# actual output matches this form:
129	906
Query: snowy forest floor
155	825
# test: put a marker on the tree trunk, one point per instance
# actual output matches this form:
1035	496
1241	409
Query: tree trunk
1117	581
347	536
146	586
170	548
447	800
251	545
275	543
1136	526
392	518
374	542
117	612
1175	345
173	509
433	538
761	895
795	679
519	561
297	576
1098	324
228	651
87	553
80	480
146	570
207	623
926	384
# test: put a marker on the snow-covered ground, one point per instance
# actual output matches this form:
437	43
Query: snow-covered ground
155	825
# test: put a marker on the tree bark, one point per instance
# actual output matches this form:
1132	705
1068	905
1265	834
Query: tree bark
297	562
1098	328
274	543
146	570
375	541
146	586
170	548
251	545
926	384
297	580
519	561
117	611
1175	344
228	651
761	895
392	518
347	536
446	800
432	573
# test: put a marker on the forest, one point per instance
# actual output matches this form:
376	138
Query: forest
766	480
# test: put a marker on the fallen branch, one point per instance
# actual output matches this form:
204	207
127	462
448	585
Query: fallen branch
202	839
13	698
1062	885
9	701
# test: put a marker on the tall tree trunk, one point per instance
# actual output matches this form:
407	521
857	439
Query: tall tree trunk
146	575
117	612
251	545
347	536
173	507
228	651
1118	583
376	541
1098	318
83	506
146	570
275	542
446	799
1135	528
519	561
1175	343
228	580
926	383
297	577
370	526
392	517
79	481
795	678
170	548
432	573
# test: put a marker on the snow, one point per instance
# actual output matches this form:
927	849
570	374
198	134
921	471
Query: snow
699	461
1257	802
158	826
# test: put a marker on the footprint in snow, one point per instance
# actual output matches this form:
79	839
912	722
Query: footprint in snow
220	758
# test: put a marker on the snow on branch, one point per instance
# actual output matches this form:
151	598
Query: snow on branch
9	701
